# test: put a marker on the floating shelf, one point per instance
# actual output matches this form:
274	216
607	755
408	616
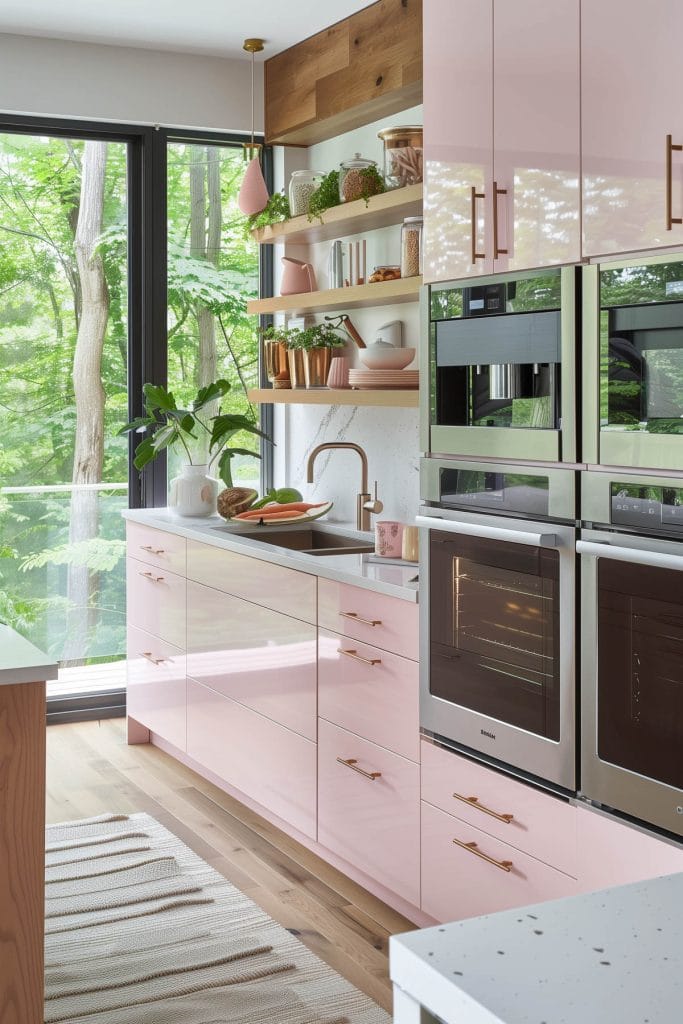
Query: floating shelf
331	396
348	218
383	293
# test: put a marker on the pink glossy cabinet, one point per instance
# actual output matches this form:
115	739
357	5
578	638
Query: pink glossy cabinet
632	83
458	126
534	200
501	136
156	694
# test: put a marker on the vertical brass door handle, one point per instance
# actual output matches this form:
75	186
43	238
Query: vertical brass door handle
497	192
474	195
670	149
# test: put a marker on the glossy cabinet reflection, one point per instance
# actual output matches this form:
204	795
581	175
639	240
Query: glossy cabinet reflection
632	82
501	135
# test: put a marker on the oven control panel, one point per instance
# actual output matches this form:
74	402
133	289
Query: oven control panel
504	492
647	508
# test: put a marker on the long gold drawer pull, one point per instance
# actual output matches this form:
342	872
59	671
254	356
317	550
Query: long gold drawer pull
504	865
153	551
671	147
473	801
150	657
358	657
151	576
359	618
352	763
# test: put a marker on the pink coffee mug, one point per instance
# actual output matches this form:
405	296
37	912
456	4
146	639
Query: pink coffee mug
388	538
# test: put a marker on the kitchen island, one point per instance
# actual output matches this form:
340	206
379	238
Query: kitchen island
615	955
23	671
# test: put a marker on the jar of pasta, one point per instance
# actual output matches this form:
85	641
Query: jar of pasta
402	155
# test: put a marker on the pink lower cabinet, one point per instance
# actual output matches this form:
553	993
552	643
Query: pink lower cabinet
155	600
466	872
612	853
156	694
273	765
370	692
369	809
386	622
256	656
156	547
522	816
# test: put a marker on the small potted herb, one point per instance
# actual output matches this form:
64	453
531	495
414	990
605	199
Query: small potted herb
312	349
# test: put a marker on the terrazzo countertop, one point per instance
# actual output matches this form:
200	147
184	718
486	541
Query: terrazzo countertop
21	662
608	957
394	580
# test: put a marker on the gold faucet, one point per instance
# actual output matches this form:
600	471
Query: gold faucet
364	497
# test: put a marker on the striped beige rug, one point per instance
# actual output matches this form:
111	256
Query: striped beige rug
139	930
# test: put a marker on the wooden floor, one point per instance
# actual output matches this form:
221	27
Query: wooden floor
90	769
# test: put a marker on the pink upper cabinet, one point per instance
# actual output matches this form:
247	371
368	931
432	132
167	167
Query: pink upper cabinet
632	84
458	127
536	135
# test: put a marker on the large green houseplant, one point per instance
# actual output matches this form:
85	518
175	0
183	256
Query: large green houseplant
201	432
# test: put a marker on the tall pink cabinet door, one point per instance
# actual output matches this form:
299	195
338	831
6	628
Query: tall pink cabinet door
535	195
632	86
458	118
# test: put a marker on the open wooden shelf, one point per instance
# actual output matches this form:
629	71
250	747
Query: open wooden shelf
347	219
333	396
383	293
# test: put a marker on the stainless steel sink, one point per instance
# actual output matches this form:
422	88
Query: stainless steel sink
309	540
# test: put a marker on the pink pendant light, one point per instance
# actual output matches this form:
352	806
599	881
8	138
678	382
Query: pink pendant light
253	194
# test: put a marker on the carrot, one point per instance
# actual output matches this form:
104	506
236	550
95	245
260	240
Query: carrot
295	506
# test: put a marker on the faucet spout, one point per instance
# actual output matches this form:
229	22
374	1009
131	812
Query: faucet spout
362	514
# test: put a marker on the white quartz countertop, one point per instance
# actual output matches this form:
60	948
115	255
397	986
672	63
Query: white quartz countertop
608	957
393	580
21	662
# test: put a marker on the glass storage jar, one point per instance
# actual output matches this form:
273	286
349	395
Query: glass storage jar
411	247
302	185
402	155
353	183
386	272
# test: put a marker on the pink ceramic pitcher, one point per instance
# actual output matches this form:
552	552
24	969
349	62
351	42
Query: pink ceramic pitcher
297	277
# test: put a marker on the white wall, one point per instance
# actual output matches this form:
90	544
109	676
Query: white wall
389	436
55	78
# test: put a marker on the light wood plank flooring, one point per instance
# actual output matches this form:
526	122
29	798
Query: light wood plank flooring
91	769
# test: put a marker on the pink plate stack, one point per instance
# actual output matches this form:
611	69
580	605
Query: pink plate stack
381	380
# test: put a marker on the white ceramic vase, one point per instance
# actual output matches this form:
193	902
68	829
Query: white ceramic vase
194	492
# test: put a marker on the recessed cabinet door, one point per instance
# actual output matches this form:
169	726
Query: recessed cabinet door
458	119
535	200
632	84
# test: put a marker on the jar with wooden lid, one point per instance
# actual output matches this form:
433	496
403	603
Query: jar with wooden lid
402	155
411	247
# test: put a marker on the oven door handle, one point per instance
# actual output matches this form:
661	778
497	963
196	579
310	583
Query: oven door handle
656	559
537	540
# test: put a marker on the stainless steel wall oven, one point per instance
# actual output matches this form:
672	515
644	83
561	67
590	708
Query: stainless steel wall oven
632	645
500	367
497	666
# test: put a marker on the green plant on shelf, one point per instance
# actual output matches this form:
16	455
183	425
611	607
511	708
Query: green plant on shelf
316	336
275	211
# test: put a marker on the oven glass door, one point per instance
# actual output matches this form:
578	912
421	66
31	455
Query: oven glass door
640	669
494	629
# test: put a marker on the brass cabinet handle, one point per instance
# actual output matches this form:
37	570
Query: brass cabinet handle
151	576
473	801
474	196
497	192
153	551
150	657
504	865
352	763
358	657
670	148
359	618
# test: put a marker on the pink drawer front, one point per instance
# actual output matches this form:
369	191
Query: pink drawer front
612	853
370	692
163	550
260	658
373	823
457	880
272	586
540	824
156	686
386	622
270	764
155	600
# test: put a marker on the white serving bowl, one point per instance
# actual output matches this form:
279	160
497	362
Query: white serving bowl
386	357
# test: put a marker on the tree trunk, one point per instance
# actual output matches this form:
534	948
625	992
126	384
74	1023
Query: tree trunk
82	585
205	239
